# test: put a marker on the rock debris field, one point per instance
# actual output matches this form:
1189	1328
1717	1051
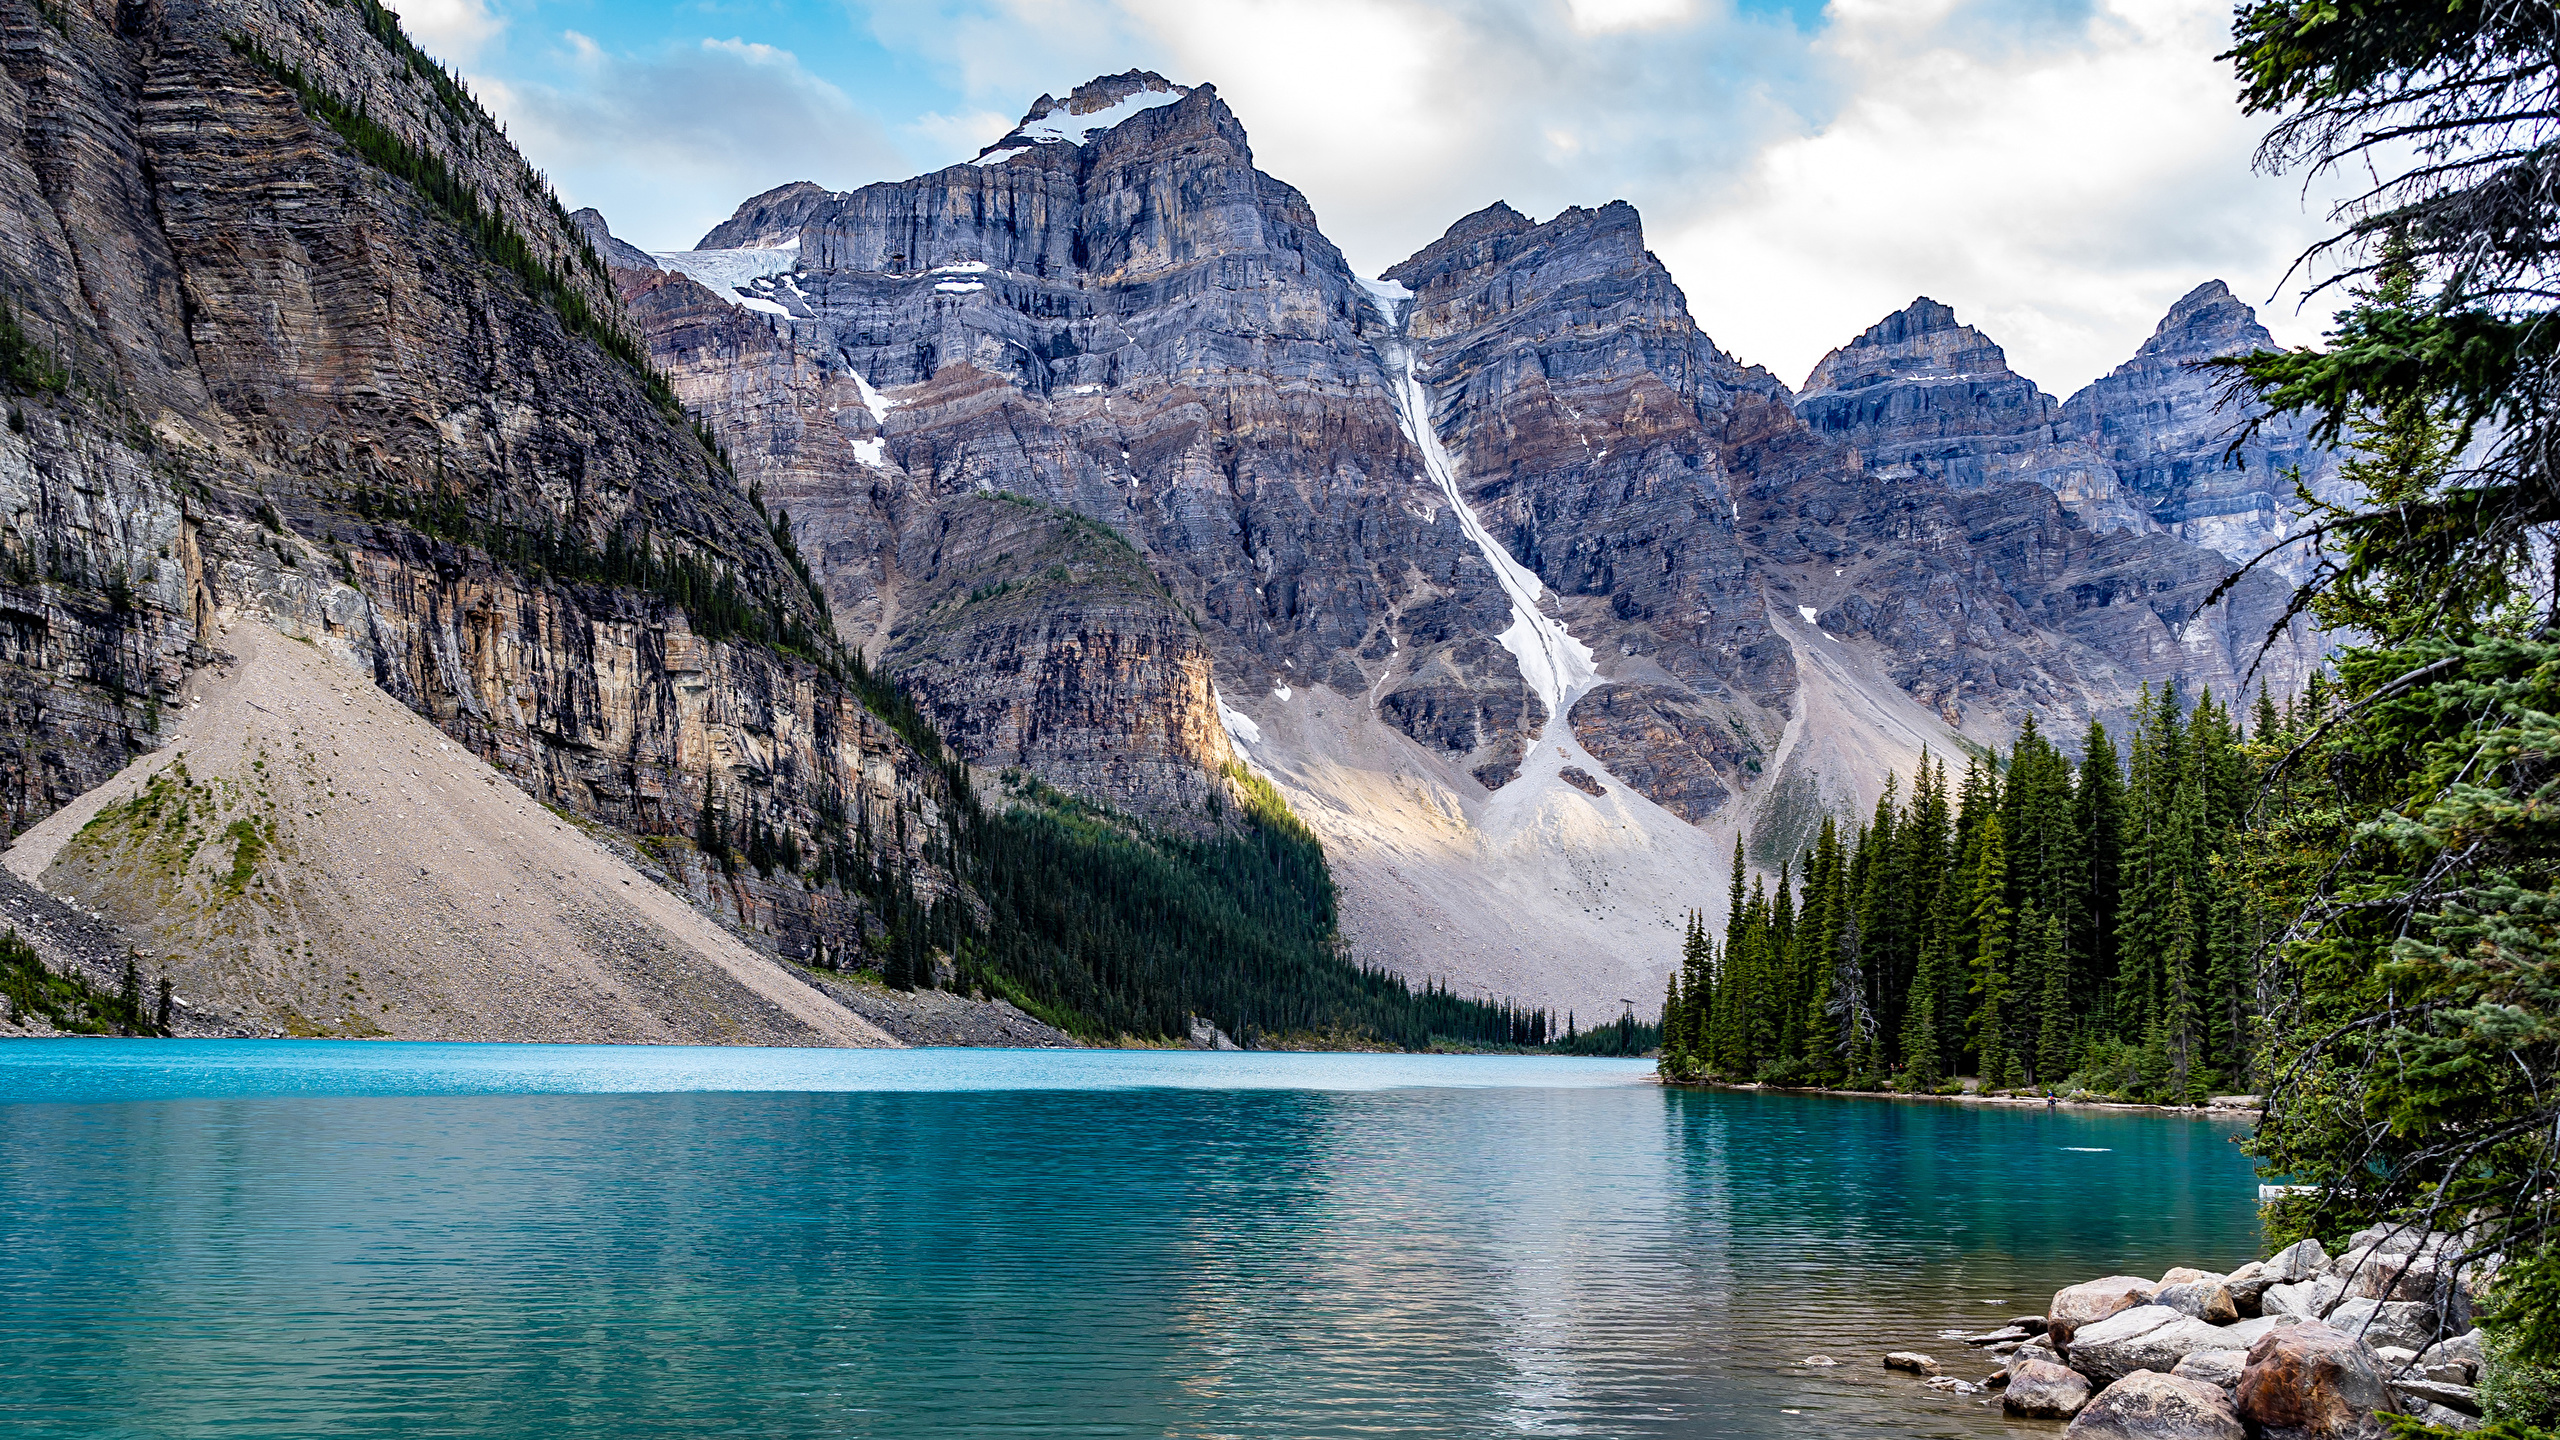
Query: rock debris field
2301	1344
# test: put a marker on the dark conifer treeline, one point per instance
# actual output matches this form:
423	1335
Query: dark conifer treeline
2033	922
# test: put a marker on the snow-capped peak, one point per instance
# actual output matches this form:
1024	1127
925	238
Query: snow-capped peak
1094	107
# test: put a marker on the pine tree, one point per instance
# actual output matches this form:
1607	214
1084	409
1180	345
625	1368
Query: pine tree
1990	916
2175	1026
2053	1038
2097	812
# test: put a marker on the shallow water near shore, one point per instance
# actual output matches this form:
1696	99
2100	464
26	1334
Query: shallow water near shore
278	1238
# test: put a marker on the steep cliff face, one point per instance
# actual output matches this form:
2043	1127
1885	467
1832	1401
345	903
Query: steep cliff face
1140	328
1582	406
337	362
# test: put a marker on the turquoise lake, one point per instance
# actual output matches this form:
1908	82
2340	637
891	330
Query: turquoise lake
313	1238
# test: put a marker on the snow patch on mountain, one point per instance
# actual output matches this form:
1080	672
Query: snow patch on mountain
733	275
1105	104
1240	726
1556	665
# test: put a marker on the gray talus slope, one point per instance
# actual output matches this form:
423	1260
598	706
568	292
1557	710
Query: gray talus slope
316	859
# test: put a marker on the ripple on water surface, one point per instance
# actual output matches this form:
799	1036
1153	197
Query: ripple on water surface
272	1239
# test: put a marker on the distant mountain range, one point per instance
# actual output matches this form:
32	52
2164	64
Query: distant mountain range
1529	596
1530	599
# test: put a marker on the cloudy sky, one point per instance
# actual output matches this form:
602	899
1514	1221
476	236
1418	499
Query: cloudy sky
2060	171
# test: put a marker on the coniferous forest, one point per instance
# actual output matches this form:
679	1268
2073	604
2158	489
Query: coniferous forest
2034	920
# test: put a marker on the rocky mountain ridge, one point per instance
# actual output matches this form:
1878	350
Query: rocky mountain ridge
2148	447
1423	545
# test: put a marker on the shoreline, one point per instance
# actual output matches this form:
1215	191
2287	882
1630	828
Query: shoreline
2251	1113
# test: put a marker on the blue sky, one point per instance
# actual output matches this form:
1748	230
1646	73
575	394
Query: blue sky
2058	170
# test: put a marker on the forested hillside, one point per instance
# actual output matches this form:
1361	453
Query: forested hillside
2034	922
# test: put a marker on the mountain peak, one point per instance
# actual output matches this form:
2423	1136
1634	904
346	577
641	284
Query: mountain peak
1919	341
1093	107
2207	321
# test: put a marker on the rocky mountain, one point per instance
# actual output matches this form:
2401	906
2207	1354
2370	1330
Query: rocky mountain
297	340
2147	447
1937	398
1529	597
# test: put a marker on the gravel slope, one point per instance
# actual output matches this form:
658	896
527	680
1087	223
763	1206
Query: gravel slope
309	855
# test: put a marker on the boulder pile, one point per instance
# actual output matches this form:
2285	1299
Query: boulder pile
2303	1345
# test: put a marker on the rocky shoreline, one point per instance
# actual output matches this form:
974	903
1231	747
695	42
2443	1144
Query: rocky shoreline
2302	1343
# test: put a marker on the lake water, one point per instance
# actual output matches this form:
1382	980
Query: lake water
286	1238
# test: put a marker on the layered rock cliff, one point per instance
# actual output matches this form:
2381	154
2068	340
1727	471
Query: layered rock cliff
334	360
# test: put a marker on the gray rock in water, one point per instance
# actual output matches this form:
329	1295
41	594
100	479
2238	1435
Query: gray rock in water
2006	1334
2147	1405
2091	1301
2206	1300
2312	1382
2213	1367
1911	1361
2042	1390
2148	1337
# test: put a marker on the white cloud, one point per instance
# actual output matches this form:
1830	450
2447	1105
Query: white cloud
2060	197
1593	16
454	31
666	145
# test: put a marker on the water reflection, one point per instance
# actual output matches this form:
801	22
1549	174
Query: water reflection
1609	1260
